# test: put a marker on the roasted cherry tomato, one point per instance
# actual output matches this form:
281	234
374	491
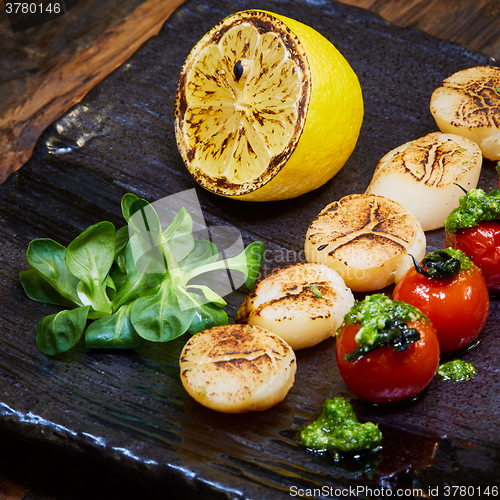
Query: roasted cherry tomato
388	374
474	228
457	302
482	244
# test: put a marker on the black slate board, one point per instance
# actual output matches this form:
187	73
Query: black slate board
128	410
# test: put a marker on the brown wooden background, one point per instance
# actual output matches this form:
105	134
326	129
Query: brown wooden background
472	23
47	69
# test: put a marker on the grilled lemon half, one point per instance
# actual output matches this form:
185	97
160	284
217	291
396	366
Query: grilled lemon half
266	108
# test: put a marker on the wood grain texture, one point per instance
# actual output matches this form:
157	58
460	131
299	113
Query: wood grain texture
47	69
472	23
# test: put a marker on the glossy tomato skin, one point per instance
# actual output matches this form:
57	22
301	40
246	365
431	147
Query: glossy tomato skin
385	375
457	307
482	244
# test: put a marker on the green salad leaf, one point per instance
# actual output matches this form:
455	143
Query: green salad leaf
113	332
36	288
136	280
47	259
89	257
179	235
122	288
159	317
206	315
59	332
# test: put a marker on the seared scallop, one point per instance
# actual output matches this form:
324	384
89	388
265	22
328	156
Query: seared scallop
303	304
367	239
237	368
468	104
424	175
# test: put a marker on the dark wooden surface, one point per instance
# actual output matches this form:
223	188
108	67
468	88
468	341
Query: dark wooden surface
45	70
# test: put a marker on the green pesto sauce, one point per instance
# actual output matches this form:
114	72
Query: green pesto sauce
474	207
372	314
456	371
338	431
314	288
465	262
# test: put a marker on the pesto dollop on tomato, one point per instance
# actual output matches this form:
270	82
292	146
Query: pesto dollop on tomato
382	323
465	262
338	431
375	312
456	371
474	207
453	253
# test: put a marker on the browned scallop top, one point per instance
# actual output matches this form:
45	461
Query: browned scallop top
292	291
300	300
365	229
232	363
435	160
478	96
231	347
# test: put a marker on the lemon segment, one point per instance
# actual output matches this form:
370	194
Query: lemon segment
266	108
